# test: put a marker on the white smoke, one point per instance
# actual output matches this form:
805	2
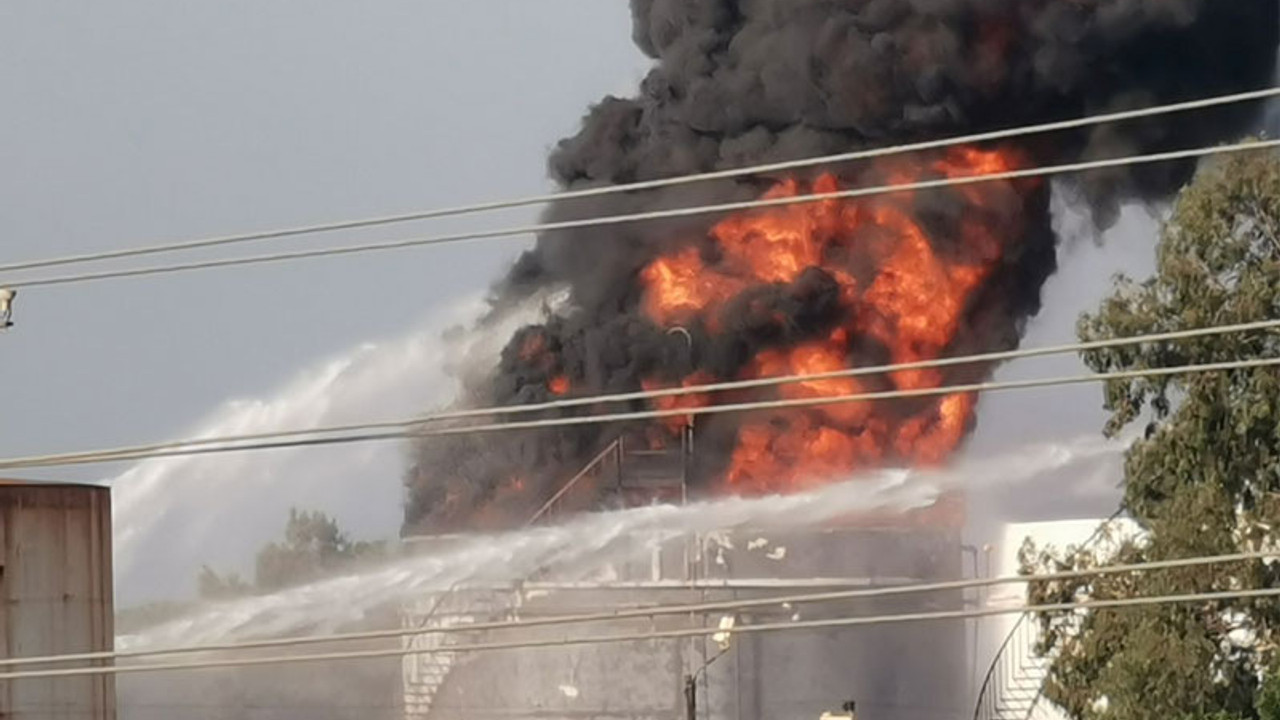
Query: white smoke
173	515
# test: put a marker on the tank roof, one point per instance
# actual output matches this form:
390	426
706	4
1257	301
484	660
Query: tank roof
14	482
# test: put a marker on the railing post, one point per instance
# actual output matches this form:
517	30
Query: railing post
619	456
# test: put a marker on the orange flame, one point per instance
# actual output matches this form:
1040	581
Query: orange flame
899	288
681	402
559	385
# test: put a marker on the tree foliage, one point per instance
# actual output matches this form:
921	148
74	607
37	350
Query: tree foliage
213	586
1203	479
313	547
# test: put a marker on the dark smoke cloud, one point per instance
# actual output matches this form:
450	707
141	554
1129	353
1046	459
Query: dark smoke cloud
741	82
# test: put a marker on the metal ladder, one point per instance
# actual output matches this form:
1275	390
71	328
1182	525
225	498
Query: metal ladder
1013	688
425	672
634	475
627	474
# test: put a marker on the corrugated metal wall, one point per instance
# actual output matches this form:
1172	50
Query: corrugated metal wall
56	588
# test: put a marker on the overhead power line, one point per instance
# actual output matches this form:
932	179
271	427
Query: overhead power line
105	456
701	631
650	612
596	400
612	220
763	169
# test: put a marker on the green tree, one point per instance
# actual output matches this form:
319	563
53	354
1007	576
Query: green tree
1203	479
1268	704
212	586
313	546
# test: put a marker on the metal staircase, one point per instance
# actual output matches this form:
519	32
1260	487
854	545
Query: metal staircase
1015	682
623	473
1013	688
648	475
425	671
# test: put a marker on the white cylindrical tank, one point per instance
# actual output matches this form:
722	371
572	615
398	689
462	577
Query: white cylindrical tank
1006	651
56	590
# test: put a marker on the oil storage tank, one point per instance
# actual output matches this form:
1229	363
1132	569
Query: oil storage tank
901	670
56	588
905	671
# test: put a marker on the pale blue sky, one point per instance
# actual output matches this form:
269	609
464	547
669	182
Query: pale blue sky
150	120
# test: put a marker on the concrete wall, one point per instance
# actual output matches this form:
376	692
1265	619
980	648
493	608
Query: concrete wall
55	596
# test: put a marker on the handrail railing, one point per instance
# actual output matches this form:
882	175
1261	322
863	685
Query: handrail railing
420	704
613	448
986	708
1008	656
426	672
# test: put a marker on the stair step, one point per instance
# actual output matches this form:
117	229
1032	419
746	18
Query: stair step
646	483
653	465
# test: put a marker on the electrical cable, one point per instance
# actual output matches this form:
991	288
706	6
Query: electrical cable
788	403
649	612
612	220
718	387
130	452
647	185
700	388
843	622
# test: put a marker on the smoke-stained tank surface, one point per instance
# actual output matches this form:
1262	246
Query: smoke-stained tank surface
914	671
56	595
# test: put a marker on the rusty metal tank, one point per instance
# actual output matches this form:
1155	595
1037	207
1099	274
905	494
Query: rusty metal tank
56	593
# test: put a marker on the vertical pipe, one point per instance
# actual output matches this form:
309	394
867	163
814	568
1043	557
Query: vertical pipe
686	450
620	450
690	697
975	624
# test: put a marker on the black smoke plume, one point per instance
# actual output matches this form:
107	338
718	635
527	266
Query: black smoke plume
744	82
